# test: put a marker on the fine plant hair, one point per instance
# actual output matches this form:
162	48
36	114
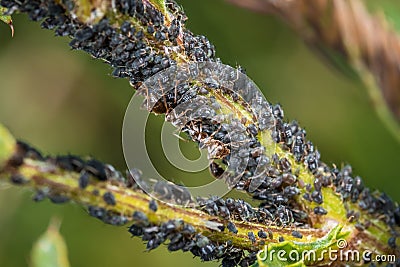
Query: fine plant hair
302	203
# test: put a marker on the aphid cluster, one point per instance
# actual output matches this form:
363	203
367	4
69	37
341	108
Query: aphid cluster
94	169
135	51
154	43
107	216
171	192
240	210
182	236
177	234
273	180
351	188
229	209
242	162
90	169
87	169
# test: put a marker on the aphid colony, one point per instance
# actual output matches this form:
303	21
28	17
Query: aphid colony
191	106
135	50
182	236
178	234
292	138
93	169
135	53
277	183
277	180
140	50
240	210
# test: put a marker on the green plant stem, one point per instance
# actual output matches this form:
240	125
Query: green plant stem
44	176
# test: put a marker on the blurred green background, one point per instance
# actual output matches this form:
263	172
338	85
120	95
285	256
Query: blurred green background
66	102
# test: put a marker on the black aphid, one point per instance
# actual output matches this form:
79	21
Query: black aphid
114	219
135	230
288	178
201	241
84	34
297	234
188	230
252	129
97	212
392	242
18	179
252	237
84	180
317	197
156	241
163	190
307	197
39	196
285	215
262	234
216	170
232	227
58	199
70	163
277	111
320	210
249	260
153	205
97	169
140	217
284	165
109	198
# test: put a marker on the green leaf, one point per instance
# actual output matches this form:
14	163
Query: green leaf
50	250
6	19
290	253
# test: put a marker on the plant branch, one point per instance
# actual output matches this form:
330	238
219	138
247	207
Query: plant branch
344	32
323	203
26	168
58	183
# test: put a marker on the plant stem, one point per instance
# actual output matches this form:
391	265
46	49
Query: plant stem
43	175
46	177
